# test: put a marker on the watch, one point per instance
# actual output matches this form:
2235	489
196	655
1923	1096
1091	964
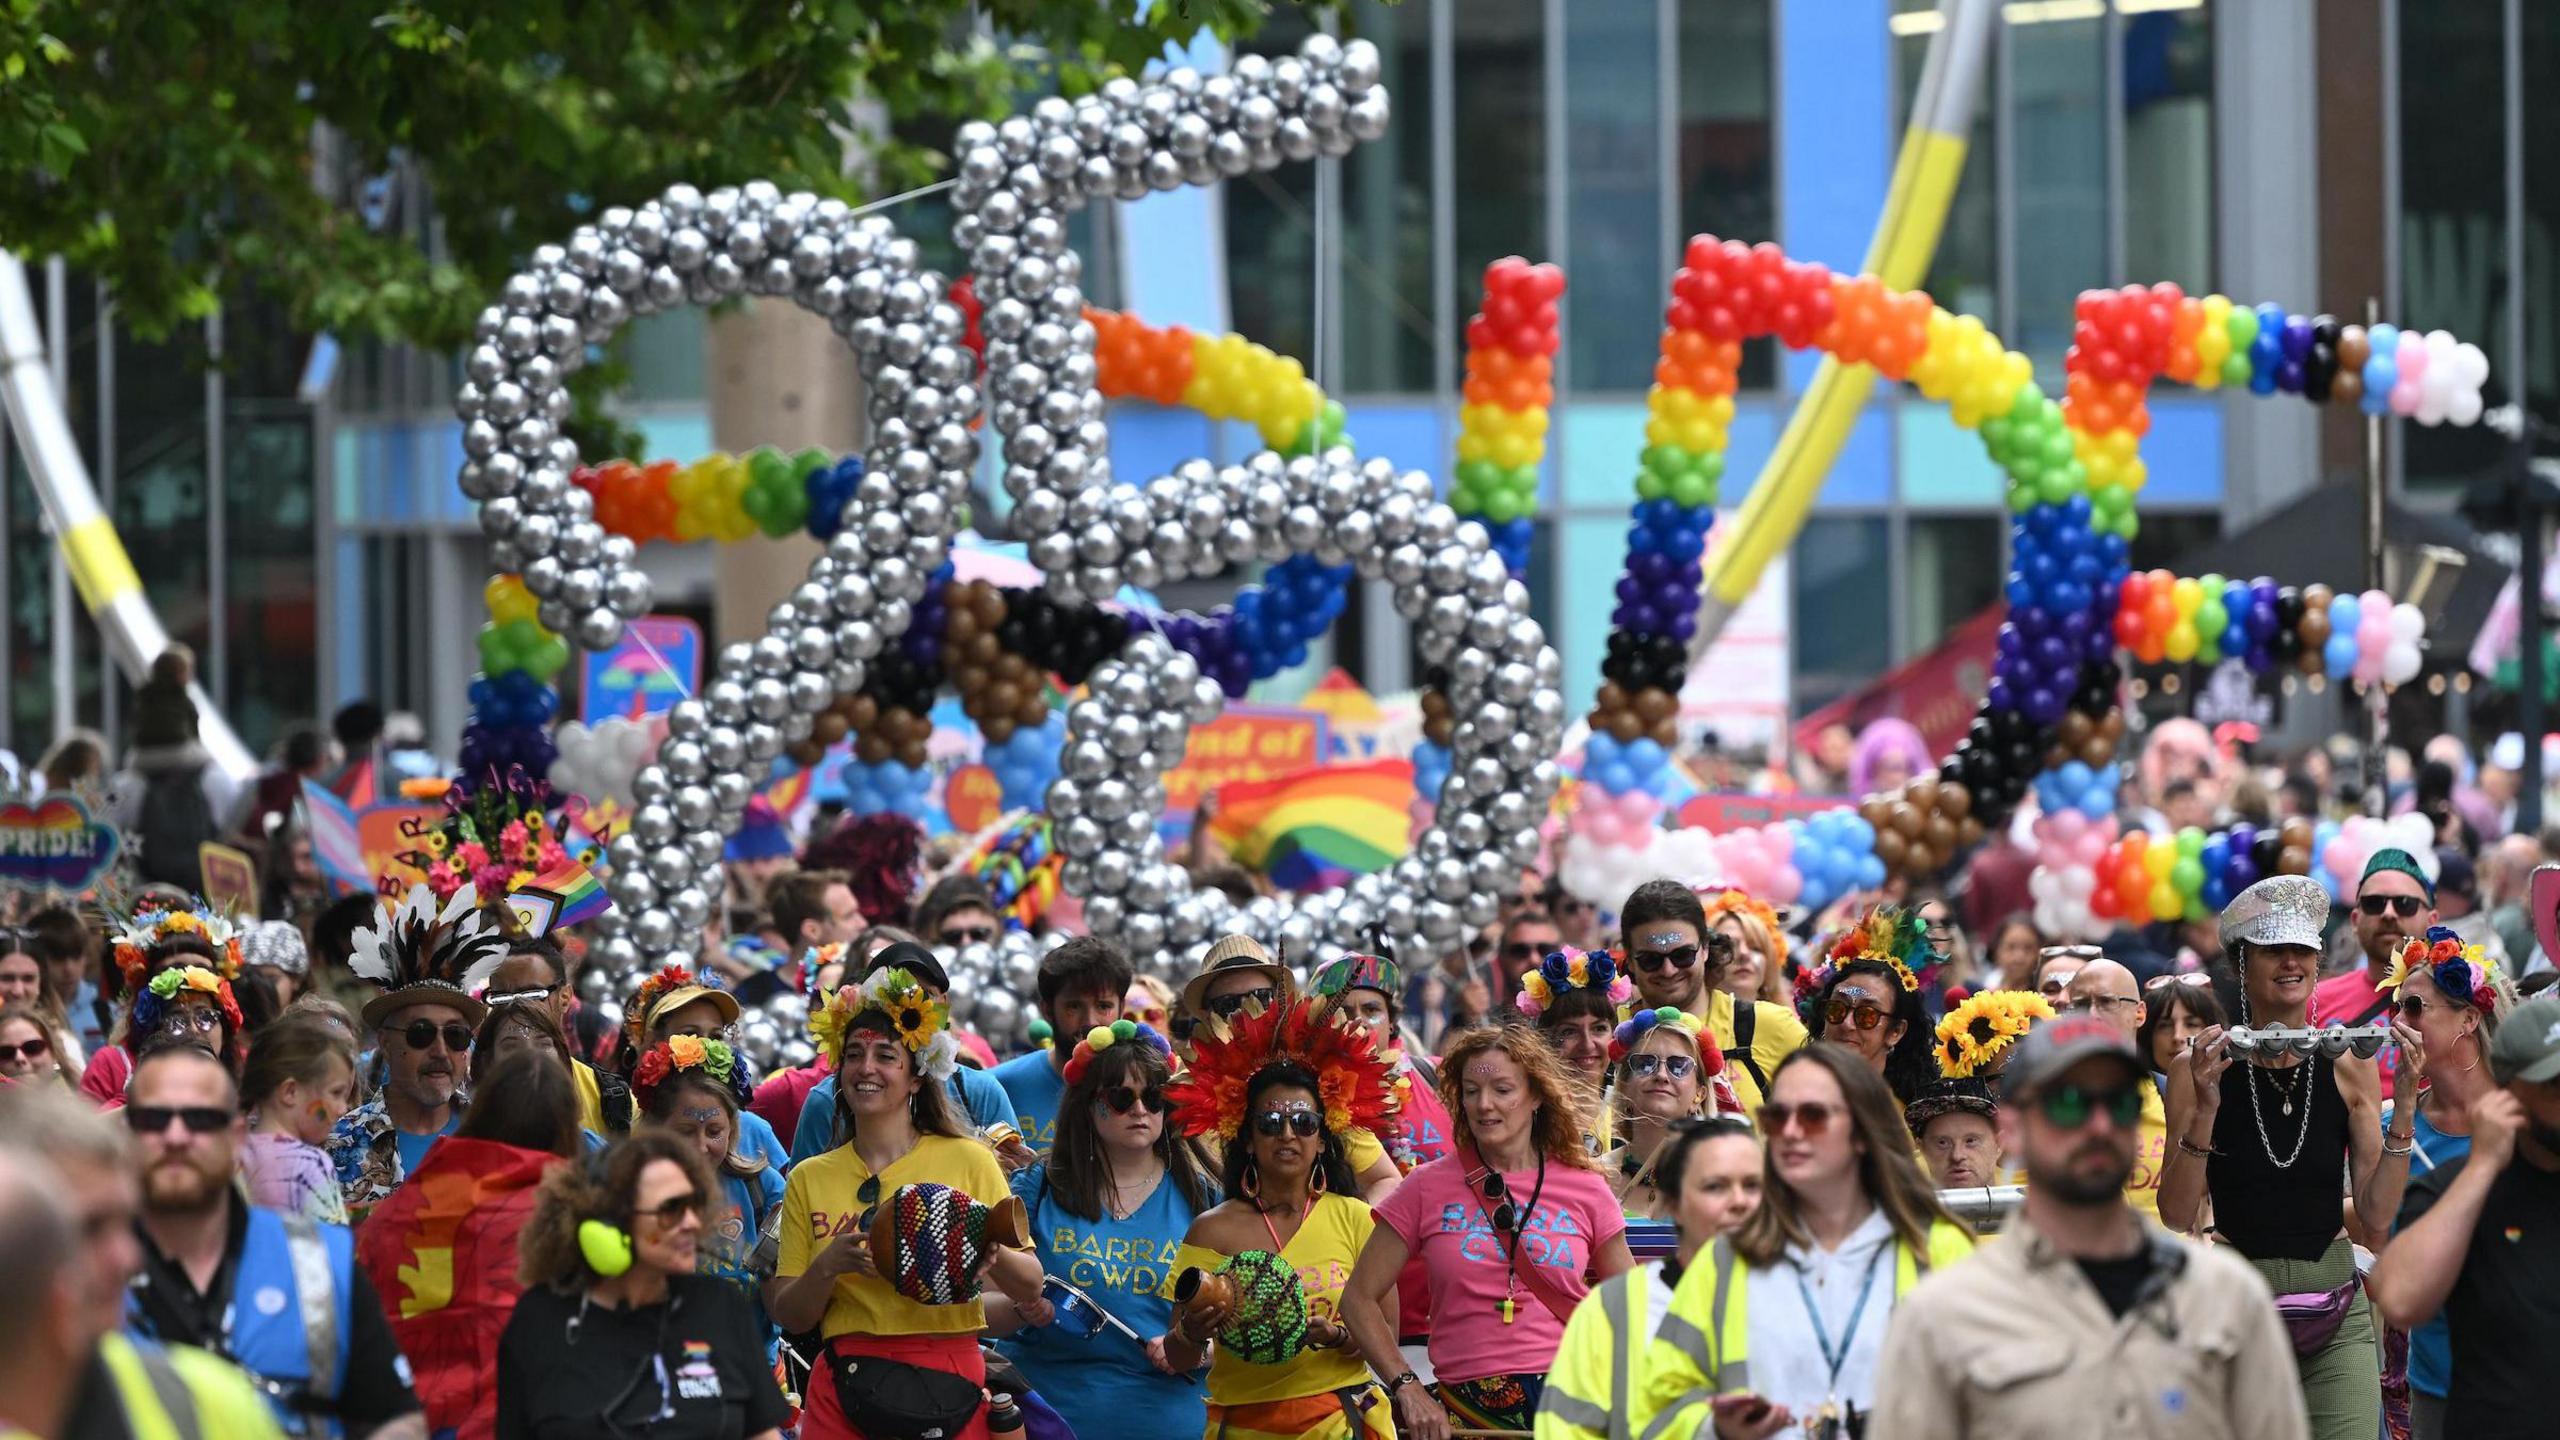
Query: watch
1401	1381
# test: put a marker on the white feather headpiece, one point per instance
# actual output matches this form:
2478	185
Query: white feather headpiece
418	946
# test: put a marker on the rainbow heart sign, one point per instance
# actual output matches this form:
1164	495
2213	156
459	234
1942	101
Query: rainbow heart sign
54	844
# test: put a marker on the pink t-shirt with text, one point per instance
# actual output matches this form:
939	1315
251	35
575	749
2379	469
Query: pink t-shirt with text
1442	1221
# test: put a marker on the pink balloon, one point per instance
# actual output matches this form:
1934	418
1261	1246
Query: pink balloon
1784	885
1603	828
2067	827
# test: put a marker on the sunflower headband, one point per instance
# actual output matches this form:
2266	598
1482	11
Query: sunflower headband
1565	970
1885	935
713	1058
153	1003
2462	972
920	1019
1737	902
1976	1032
1632	1030
1103	1037
157	921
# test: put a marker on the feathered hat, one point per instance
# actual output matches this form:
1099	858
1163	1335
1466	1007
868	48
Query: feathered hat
2465	974
419	954
1358	1077
1571	969
1887	935
918	1018
1979	1031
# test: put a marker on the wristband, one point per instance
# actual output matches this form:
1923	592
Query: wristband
2189	1147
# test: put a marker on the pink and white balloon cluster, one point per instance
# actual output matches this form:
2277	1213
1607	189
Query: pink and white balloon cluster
2068	848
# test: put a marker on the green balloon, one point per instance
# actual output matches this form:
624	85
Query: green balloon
2235	369
2190	842
1693	490
2242	327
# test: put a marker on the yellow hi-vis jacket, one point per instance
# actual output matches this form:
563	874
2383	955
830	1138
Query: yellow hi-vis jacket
1703	1348
178	1393
1592	1387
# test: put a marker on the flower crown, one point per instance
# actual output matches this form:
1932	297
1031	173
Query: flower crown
155	1000
713	1058
635	1016
1103	1037
813	960
1360	1082
1632	1030
1886	935
1737	902
920	1019
494	838
1976	1032
154	921
1565	970
2465	974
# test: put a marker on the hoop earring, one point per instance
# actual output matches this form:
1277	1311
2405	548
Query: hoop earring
1252	1180
1318	1187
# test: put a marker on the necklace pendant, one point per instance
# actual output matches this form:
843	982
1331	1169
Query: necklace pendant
1508	1310
2288	1105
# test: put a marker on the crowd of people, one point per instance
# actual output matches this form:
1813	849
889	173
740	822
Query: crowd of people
1682	1164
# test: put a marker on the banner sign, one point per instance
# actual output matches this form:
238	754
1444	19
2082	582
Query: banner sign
1248	742
1721	814
386	832
230	878
630	681
54	844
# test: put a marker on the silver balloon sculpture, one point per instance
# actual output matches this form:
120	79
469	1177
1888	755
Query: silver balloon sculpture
1088	531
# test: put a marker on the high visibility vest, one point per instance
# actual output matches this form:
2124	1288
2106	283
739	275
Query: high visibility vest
287	1311
1592	1387
180	1393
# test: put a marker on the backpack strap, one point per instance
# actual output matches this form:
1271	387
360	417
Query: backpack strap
315	1281
1746	1019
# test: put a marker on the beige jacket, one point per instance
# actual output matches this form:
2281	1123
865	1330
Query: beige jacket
2016	1343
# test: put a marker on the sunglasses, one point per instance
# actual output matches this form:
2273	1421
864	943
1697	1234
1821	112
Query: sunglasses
2098	1003
154	1119
1506	1216
2403	906
419	1034
2070	1106
190	1020
1122	1099
2409	1006
1522	950
35	1049
1865	1017
2193	979
1813	1117
2056	984
673	1208
1228	1007
968	934
1302	1123
1651	962
1645	1066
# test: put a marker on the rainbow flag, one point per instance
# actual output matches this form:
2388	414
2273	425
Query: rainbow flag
558	898
789	793
1314	829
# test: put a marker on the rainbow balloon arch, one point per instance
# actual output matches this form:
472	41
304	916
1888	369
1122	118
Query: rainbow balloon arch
860	651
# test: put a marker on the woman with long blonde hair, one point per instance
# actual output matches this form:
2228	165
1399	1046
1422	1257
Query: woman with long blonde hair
1513	1229
1798	1292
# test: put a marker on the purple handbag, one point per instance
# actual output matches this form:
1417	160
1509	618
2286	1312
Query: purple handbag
2312	1317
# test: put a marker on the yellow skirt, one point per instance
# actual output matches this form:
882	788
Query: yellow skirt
1328	1415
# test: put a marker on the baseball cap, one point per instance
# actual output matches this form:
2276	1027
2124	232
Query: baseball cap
2052	1047
2528	1043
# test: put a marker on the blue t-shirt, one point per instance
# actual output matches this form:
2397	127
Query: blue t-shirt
1103	1383
2431	1344
414	1148
756	1138
976	1090
1035	1087
730	1242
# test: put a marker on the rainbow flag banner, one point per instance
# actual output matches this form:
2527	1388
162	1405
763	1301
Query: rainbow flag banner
1314	829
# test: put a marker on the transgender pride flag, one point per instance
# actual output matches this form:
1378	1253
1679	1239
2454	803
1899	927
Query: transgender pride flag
334	843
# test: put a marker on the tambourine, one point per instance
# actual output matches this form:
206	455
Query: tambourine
1269	1324
929	1241
2330	1040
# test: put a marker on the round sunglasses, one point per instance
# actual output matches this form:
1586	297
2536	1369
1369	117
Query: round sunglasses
1649	1064
1864	1017
1302	1123
1122	1099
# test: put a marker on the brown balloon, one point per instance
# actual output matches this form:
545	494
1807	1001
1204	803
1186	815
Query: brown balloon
1921	859
826	728
2294	860
2296	831
806	753
2097	752
2346	390
2074	729
1955	801
912	755
2316	598
1875	809
1665	732
1923	792
1890	848
1904	816
997	728
1624	726
1940	833
1970	831
1656	705
871	749
2354	348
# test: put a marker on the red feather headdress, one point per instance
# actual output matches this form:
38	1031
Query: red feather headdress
1360	1082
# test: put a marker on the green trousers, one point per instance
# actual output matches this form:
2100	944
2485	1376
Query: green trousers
2342	1382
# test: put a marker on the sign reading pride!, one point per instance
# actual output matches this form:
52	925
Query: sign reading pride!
54	844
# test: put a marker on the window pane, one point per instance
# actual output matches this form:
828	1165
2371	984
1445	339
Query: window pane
2168	148
1501	146
1840	569
271	576
665	353
1271	237
1387	322
1613	191
1954	571
1965	275
2453	248
159	501
2060	146
1728	185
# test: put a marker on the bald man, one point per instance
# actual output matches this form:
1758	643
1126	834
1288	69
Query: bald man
2108	990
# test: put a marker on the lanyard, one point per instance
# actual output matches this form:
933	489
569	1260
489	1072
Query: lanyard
1822	1337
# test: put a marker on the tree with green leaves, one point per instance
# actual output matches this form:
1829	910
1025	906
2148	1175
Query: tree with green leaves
173	148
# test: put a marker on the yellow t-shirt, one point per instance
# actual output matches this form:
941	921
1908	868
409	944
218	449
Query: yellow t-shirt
1323	1251
2150	1155
1775	1034
590	1097
823	1198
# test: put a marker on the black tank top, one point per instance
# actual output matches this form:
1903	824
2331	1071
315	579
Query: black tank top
2269	1211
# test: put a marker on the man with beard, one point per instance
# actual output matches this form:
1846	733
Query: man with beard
278	1295
1675	959
432	959
2477	1234
2081	1311
2395	903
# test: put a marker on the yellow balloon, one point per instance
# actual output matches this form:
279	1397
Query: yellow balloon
2180	643
2165	903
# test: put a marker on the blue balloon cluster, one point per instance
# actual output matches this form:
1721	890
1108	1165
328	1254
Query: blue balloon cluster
2063	584
2266	353
1511	542
1658	590
513	700
1430	770
2338	656
830	491
1835	852
2230	866
888	788
1620	766
2381	369
2076	786
2251	621
1027	761
1299	600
